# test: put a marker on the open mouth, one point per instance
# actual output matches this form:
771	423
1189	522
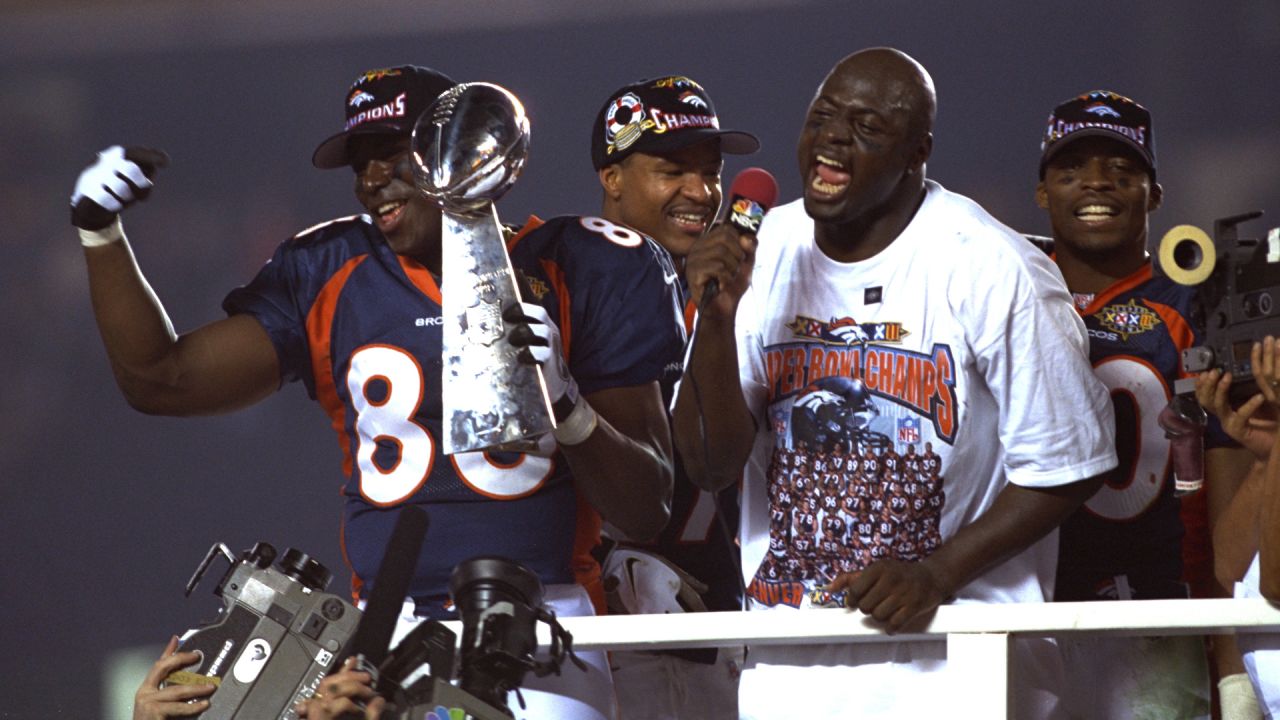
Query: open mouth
830	177
1096	213
388	213
687	221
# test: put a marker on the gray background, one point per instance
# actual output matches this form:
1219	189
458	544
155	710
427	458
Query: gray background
106	512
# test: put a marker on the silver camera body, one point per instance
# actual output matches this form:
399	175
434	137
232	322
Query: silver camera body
275	637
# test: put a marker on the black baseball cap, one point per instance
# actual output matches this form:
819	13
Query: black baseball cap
388	100
658	115
1100	113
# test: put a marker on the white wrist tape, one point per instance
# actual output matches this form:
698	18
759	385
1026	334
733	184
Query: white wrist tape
107	235
1236	697
578	426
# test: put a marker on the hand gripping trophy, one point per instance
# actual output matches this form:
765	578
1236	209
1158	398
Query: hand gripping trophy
468	149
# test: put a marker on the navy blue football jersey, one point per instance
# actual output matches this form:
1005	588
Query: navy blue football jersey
700	537
1127	540
361	327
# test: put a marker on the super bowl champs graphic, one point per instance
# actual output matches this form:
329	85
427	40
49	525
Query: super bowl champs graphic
854	476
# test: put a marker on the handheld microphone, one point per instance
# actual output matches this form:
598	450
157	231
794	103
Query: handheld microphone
752	194
373	635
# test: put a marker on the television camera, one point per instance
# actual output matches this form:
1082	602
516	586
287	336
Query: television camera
278	634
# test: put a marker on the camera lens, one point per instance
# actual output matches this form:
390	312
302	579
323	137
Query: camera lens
478	583
498	600
305	569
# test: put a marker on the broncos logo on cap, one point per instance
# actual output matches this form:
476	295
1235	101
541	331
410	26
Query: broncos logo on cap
689	97
1102	110
358	98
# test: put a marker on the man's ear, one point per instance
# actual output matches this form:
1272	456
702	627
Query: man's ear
1155	198
611	181
923	151
1042	196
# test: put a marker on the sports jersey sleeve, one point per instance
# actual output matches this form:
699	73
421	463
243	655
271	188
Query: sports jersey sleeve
271	298
281	295
1055	418
625	314
626	326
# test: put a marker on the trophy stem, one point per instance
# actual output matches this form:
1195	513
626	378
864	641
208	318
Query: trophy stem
489	397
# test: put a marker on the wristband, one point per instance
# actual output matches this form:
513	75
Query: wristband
578	426
107	235
1236	698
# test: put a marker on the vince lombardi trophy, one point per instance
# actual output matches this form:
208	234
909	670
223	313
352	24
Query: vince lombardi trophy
468	149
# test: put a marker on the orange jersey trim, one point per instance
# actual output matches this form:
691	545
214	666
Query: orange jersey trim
357	583
533	222
319	324
421	278
556	276
565	321
1179	329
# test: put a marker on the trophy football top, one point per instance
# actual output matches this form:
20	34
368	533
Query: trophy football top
469	146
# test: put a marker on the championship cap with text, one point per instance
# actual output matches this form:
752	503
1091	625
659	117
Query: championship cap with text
382	101
658	115
1099	113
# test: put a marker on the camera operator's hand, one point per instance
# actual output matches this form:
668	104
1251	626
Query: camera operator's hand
345	694
153	702
119	178
539	339
1253	424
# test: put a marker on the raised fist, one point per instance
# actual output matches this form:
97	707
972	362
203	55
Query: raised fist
119	178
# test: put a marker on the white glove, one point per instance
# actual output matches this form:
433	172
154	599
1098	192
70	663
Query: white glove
116	180
539	339
638	582
543	346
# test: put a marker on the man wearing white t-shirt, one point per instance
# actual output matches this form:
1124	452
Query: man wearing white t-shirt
899	322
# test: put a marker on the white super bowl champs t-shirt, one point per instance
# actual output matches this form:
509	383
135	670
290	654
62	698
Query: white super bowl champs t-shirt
895	398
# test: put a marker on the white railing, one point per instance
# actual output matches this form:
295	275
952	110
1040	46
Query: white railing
977	635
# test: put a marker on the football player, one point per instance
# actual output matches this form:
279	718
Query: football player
1133	539
657	147
352	309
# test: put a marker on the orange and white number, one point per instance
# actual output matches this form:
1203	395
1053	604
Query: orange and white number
1129	496
387	416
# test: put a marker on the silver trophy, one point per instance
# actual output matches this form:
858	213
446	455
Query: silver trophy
468	149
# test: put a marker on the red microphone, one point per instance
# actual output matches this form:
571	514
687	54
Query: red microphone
751	195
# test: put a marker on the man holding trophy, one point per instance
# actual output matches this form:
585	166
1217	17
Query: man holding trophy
353	308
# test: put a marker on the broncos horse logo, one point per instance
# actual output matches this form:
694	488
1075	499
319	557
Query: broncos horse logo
847	330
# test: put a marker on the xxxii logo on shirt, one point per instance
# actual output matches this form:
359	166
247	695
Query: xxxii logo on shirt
1128	319
847	331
